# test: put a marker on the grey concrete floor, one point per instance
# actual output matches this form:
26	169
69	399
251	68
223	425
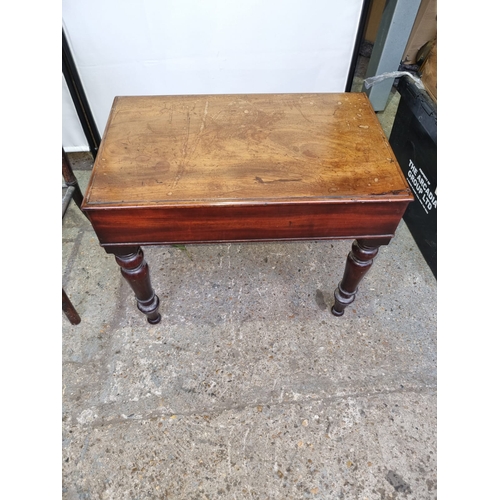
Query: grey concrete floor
249	388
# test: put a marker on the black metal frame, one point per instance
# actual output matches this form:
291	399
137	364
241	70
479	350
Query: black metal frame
365	9
79	98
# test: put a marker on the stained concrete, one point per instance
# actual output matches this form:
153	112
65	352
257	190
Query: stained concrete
249	388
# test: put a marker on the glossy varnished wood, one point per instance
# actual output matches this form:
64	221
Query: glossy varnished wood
136	271
359	261
191	169
244	167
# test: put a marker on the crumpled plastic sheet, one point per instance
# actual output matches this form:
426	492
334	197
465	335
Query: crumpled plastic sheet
369	82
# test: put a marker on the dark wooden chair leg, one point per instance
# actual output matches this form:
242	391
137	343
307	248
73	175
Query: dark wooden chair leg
359	261
136	271
69	310
71	180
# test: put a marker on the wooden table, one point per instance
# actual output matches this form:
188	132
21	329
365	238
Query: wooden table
236	168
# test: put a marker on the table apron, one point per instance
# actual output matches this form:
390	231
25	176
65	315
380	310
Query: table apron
238	223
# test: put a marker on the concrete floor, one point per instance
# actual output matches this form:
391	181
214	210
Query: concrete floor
249	388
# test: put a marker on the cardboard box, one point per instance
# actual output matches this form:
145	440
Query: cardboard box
424	29
429	72
374	17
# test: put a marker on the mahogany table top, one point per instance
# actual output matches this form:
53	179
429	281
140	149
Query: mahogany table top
244	168
240	149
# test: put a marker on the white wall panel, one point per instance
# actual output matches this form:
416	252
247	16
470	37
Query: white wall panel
144	47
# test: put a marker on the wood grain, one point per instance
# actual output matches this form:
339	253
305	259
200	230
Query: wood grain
244	167
185	149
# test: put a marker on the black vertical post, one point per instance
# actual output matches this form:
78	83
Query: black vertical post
365	9
79	98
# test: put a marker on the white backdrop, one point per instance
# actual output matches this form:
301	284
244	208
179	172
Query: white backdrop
144	47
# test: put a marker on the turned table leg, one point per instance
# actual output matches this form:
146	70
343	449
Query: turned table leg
136	271
359	261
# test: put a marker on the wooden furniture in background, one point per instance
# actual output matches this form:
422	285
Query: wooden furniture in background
71	191
236	168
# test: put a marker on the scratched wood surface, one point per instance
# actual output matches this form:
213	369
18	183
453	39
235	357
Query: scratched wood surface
243	149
